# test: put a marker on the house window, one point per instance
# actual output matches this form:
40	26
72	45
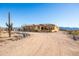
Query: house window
42	28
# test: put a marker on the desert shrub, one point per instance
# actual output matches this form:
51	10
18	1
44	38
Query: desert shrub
2	41
74	32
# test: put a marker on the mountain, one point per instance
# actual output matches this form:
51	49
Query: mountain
69	28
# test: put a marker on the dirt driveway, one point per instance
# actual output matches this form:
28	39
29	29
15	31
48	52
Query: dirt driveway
43	44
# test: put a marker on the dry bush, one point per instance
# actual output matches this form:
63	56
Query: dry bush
2	41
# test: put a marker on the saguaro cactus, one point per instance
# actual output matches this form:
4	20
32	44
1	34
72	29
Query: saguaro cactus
9	25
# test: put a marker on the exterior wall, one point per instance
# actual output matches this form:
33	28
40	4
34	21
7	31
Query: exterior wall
56	29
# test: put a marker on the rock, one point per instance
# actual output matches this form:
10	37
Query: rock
76	37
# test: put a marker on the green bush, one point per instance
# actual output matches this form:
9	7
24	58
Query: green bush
76	32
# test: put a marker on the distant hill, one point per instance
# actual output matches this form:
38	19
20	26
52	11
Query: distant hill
69	28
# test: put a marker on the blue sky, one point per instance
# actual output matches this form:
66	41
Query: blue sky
65	15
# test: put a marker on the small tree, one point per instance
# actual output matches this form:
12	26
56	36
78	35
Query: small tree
9	25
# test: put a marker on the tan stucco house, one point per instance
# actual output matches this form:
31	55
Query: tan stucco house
41	28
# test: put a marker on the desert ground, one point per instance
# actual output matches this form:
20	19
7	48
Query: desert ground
41	44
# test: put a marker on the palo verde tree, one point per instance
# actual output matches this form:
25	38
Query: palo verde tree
9	25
